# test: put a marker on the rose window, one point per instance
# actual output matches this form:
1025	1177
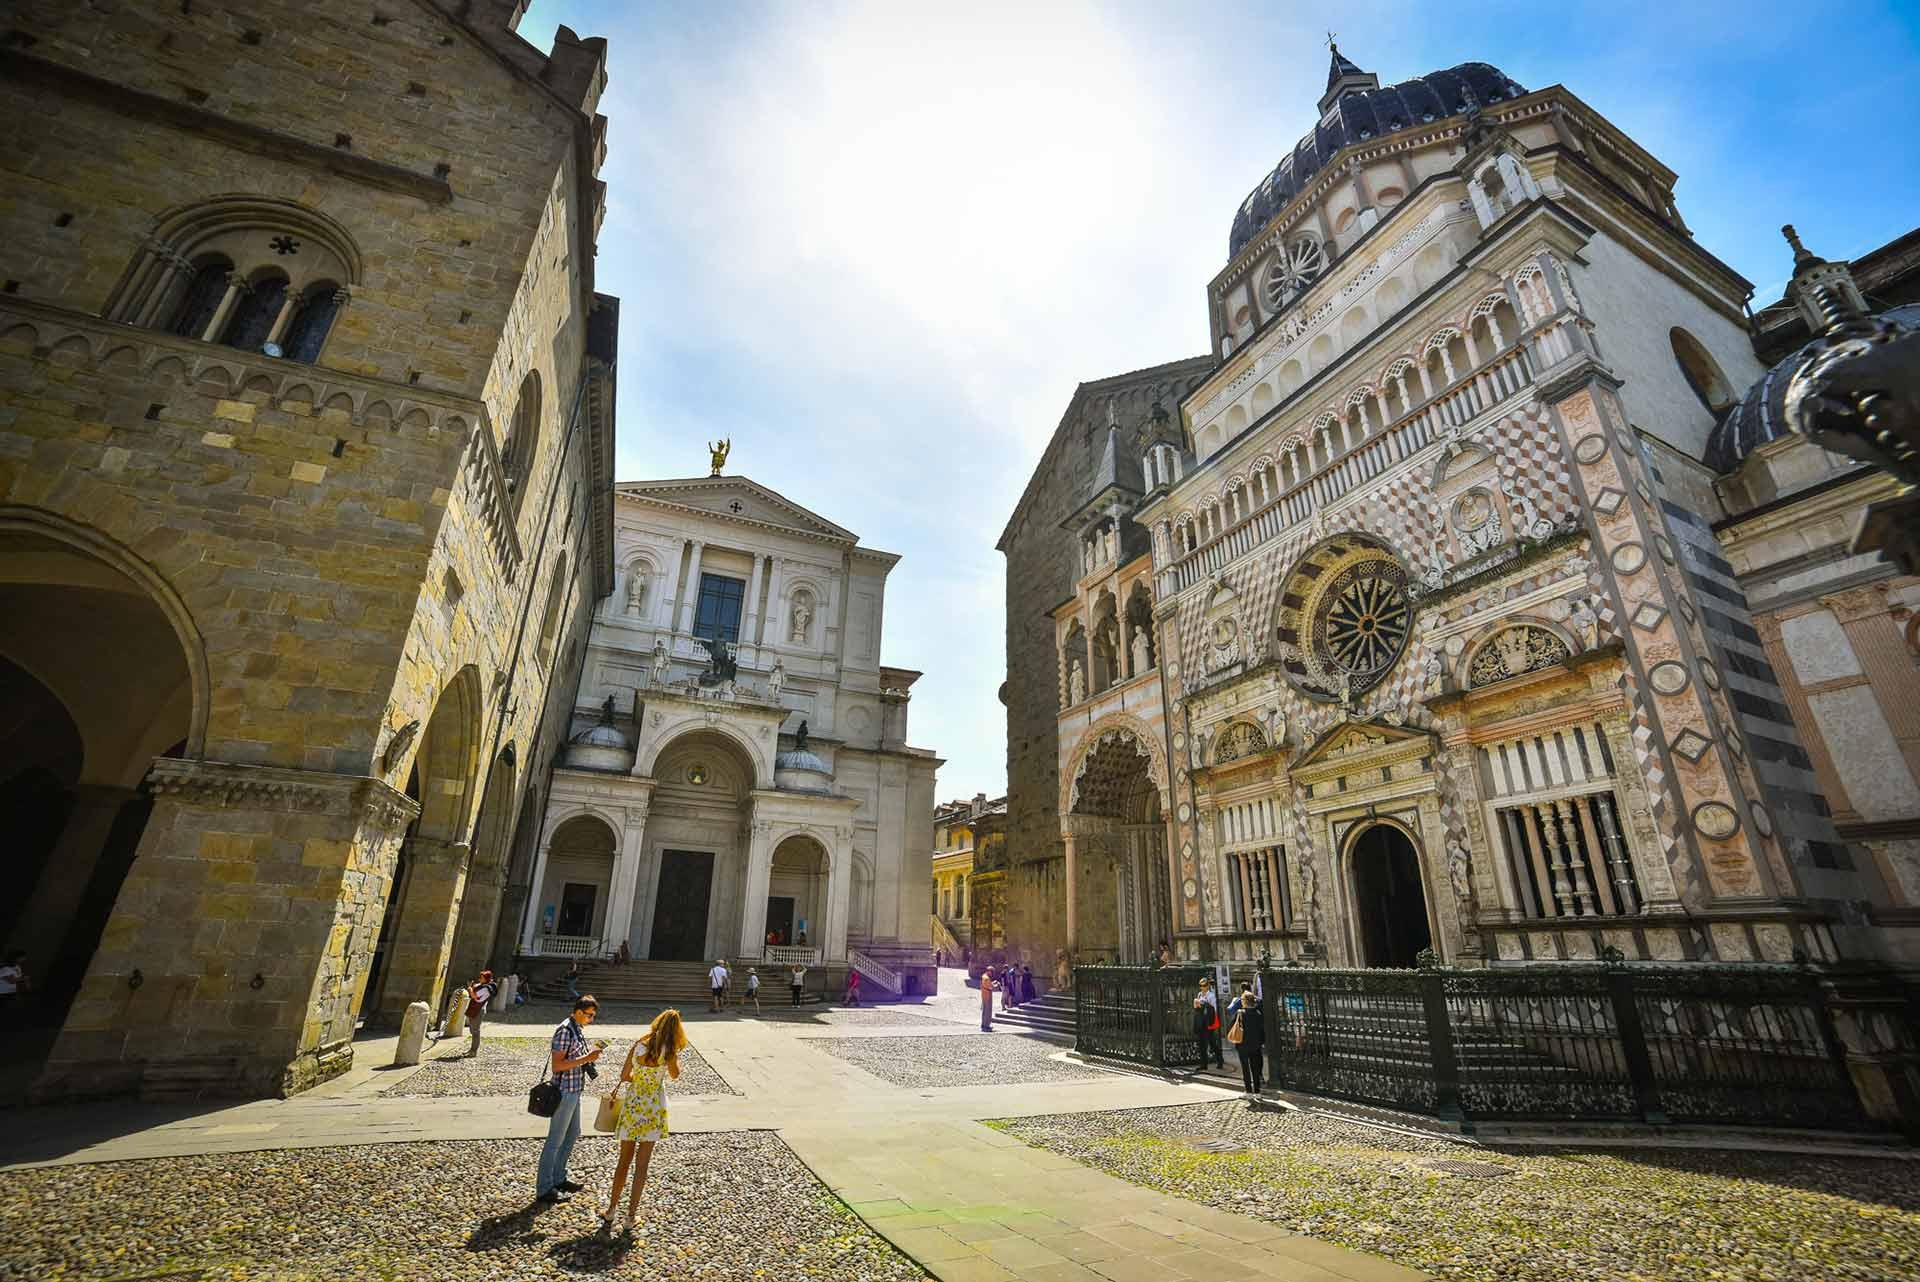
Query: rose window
1295	268
1351	621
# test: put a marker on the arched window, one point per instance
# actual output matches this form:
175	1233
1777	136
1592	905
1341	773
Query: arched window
190	267
1700	370
201	300
523	435
255	312
307	333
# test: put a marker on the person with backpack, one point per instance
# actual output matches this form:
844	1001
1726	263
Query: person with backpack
642	1119
1247	1033
753	987
479	995
570	1055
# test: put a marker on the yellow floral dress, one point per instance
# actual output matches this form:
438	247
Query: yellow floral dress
643	1111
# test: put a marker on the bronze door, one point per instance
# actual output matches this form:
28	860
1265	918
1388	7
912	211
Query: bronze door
680	909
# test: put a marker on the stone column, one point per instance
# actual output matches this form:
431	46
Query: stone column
753	890
626	876
775	624
690	599
534	926
422	939
1067	840
236	286
239	943
833	936
42	926
750	625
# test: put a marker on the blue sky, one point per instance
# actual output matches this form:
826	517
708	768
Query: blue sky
878	245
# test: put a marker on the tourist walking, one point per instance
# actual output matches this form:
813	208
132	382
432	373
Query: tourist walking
798	978
1247	1031
1026	983
753	987
642	1119
479	995
571	1054
717	980
852	997
1206	1023
986	1000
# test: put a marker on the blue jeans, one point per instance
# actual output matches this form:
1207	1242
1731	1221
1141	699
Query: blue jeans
562	1130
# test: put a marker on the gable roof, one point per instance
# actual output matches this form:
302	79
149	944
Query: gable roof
1354	738
758	505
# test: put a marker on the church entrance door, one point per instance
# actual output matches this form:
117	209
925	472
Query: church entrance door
680	909
780	918
1390	906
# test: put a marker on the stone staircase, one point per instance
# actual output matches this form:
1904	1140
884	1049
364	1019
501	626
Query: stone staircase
653	983
1050	1015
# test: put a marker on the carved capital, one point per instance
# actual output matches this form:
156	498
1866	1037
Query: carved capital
221	785
1854	604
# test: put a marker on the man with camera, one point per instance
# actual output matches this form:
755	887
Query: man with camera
573	1063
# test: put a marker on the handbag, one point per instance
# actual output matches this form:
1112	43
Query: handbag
1235	1033
544	1099
607	1116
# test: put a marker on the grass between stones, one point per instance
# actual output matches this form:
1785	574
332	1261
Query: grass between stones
717	1208
1611	1215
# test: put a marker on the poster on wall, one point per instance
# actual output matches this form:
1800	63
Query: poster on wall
546	918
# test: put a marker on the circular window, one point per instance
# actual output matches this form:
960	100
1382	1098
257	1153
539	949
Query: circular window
1345	618
697	775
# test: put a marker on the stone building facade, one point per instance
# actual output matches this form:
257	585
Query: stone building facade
306	420
740	784
1452	659
959	828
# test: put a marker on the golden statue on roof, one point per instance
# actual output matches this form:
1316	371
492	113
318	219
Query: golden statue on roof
719	452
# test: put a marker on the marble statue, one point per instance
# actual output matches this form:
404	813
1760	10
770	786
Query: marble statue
1142	659
636	592
777	680
802	617
1076	684
659	661
719	451
1586	623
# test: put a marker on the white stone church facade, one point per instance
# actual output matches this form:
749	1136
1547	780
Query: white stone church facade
762	807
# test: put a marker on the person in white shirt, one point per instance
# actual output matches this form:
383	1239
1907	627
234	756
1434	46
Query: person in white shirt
753	987
799	980
717	978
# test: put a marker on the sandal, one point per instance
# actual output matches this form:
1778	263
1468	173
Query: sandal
606	1223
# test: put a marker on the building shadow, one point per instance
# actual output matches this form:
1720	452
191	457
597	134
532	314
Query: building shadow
49	1132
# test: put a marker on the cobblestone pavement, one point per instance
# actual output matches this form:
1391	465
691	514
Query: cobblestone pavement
717	1207
949	1060
1519	1215
510	1065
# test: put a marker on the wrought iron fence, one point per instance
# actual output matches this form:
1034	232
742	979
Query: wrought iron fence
1656	1043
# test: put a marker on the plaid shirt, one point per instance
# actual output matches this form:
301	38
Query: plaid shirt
570	1043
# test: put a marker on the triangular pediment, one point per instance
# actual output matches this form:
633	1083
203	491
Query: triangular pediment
1356	739
736	498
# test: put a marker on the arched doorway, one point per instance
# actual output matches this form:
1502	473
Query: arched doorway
97	678
1389	900
1117	892
473	945
797	893
694	873
429	879
577	886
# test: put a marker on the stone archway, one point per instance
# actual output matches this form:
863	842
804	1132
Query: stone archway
1391	922
101	672
1113	829
429	879
487	873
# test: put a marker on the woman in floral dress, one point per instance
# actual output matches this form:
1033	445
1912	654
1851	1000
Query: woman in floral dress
643	1108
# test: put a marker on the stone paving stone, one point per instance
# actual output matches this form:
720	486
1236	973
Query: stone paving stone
1017	1252
954	1061
510	1065
929	1245
1083	1247
717	1208
977	1269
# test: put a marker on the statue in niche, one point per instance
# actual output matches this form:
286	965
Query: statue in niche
636	591
1076	684
659	661
1086	558
1142	659
802	617
776	681
1586	624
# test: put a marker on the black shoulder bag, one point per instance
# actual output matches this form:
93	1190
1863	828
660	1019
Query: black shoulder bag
543	1098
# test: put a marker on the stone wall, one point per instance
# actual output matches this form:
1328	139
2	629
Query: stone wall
1043	563
376	591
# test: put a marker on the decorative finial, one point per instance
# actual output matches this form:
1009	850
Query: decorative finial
1330	44
719	451
1113	417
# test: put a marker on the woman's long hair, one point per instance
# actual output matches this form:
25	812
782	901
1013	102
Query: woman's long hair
665	1038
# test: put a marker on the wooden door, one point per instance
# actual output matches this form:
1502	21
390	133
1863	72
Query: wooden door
680	909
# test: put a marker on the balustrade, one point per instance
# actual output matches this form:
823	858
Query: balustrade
1456	405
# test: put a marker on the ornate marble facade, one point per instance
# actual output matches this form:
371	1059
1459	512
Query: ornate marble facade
1446	653
739	777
